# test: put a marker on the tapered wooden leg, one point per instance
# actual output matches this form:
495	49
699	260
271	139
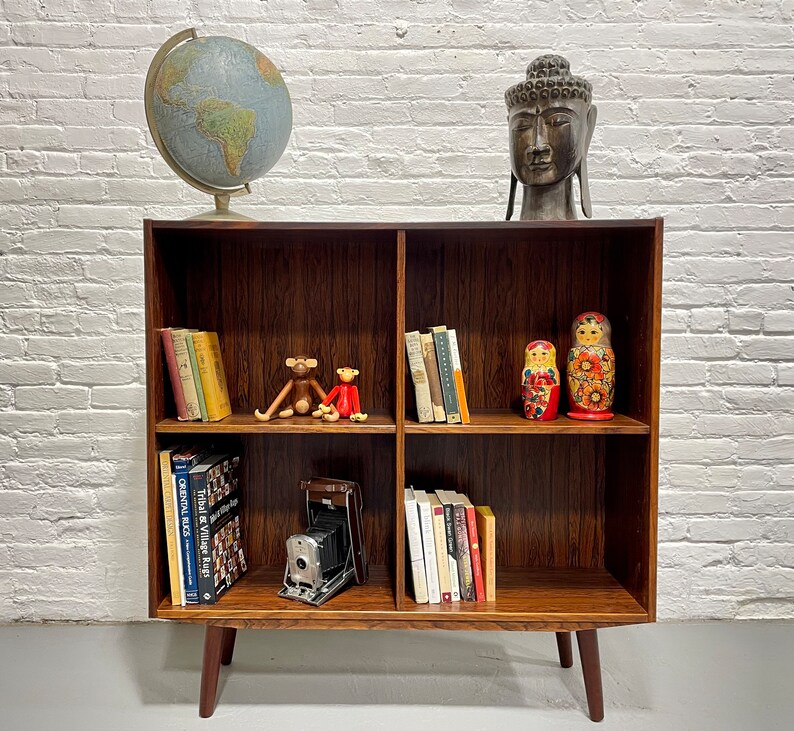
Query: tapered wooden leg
564	649
229	635
591	669
213	647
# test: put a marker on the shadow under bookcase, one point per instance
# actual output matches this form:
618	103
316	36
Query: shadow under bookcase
575	502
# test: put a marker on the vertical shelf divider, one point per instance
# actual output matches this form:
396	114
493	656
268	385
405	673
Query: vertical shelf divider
399	420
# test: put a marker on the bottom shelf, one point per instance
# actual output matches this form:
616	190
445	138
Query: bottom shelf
544	597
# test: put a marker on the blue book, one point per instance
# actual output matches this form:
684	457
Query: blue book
184	460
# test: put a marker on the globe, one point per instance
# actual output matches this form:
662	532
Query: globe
218	110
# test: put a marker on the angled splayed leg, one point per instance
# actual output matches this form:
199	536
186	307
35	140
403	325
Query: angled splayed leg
591	669
227	650
564	649
211	666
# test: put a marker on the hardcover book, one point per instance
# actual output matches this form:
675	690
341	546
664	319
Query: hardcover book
213	379
457	372
465	573
433	379
416	363
451	543
428	545
446	374
440	536
486	527
173	374
179	338
415	554
171	541
474	548
191	351
183	462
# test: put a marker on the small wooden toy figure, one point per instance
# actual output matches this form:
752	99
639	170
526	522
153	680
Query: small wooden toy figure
540	381
348	404
301	384
591	368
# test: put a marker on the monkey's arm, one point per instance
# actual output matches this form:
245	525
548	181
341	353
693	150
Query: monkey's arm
356	415
272	408
323	396
331	396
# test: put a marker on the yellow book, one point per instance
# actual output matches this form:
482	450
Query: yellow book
213	380
172	546
486	528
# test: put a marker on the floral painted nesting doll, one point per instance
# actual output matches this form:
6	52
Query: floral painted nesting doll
591	368
540	381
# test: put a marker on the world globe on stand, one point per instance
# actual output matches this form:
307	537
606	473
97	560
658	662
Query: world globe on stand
219	112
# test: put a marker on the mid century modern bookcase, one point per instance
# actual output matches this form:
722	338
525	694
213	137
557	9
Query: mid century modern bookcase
576	502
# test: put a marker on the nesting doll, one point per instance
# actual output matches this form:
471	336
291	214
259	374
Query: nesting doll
591	368
540	381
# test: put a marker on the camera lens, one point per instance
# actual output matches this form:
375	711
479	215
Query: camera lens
301	563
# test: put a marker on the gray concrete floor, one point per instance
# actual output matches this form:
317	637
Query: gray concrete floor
670	677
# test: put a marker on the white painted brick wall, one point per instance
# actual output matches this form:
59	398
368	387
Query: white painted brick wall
398	115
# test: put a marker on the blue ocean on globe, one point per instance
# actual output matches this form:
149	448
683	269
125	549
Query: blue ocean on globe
222	111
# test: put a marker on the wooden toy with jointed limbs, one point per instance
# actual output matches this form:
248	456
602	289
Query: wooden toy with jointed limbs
348	404
301	384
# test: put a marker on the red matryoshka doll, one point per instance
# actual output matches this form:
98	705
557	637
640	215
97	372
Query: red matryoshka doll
591	368
540	381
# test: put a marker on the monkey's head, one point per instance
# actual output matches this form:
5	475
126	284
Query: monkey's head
301	365
346	374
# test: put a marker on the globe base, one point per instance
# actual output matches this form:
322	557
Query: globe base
221	212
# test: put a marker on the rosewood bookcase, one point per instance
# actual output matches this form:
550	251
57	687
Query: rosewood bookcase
575	502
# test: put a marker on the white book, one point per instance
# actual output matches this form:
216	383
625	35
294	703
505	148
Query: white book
457	373
452	546
416	363
182	594
440	535
415	553
428	545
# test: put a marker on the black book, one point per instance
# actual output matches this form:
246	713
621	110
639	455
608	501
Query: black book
220	556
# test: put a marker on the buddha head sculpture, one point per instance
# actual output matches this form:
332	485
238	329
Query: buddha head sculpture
551	121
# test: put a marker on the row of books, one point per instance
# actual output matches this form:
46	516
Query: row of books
196	372
437	374
451	547
201	506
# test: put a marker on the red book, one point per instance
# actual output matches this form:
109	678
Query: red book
173	372
474	548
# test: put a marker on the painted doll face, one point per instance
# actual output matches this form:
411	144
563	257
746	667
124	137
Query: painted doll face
589	333
538	355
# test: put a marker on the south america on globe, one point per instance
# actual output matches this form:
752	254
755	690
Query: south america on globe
221	110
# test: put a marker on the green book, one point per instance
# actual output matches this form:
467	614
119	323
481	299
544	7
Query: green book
191	350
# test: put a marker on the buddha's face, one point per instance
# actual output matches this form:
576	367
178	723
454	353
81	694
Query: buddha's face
548	139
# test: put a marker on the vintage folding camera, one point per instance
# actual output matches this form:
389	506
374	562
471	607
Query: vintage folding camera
330	554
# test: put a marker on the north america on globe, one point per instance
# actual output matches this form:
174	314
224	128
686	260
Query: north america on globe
222	111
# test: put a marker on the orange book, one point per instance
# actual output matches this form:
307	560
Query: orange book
486	527
213	379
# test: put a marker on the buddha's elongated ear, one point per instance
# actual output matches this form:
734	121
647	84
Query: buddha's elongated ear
581	173
511	199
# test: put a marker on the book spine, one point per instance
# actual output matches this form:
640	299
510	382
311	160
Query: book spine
182	595
416	364
191	352
433	379
173	373
476	560
445	373
439	534
182	470
172	546
227	554
452	551
416	557
199	492
428	545
457	372
486	527
186	374
213	380
465	574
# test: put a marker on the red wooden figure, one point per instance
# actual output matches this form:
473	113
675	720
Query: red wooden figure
540	381
348	404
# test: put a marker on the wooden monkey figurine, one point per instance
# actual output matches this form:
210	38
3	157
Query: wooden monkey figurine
540	381
300	385
591	368
348	404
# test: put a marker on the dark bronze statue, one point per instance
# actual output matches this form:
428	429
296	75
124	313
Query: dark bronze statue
551	122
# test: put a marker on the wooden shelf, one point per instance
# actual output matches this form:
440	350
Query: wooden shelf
379	422
504	421
526	596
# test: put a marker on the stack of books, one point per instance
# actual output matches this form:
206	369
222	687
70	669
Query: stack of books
201	506
451	547
196	371
437	374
